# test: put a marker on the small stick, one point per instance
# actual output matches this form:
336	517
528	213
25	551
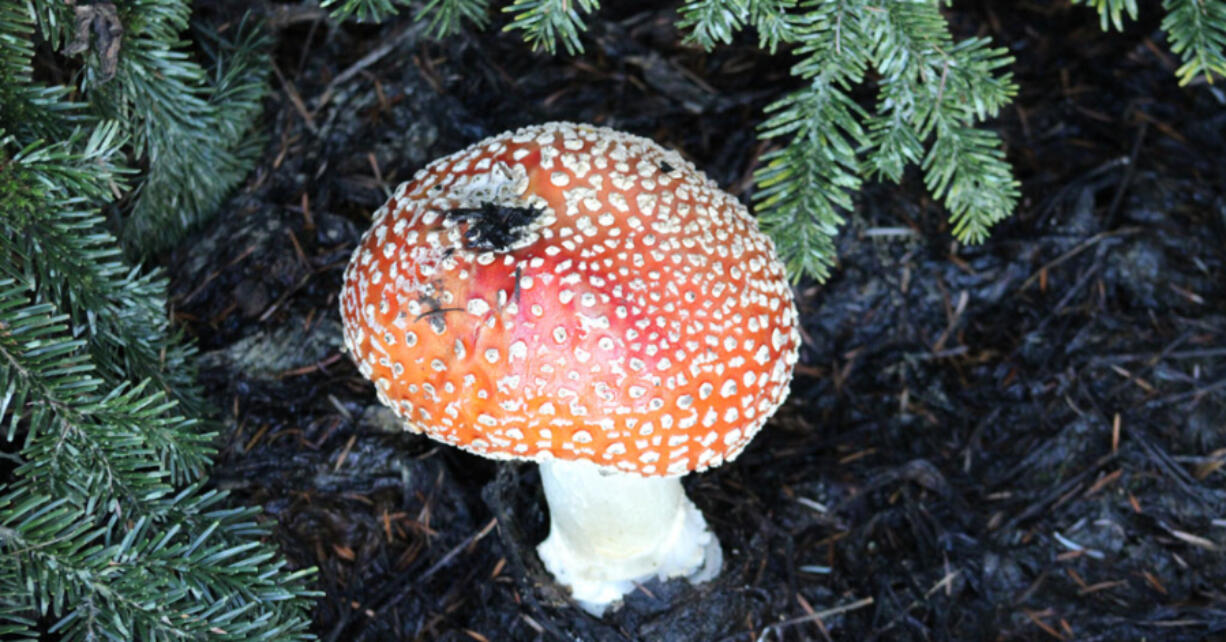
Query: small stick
818	616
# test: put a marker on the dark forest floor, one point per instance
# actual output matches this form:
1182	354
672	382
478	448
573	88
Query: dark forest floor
1019	440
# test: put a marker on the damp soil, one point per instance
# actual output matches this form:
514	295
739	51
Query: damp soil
1024	439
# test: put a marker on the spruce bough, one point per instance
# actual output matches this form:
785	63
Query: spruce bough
105	528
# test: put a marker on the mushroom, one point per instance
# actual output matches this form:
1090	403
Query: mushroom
585	299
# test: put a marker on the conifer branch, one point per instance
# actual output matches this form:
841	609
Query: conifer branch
934	87
1197	29
447	17
775	22
712	22
363	10
545	22
1111	12
27	109
77	527
804	187
930	88
98	409
183	124
65	241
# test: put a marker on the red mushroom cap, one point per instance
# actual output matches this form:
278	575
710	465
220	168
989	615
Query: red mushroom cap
573	292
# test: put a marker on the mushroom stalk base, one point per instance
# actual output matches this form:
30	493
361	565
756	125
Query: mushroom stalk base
610	531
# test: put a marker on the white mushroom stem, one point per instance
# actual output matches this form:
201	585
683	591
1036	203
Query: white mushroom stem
610	531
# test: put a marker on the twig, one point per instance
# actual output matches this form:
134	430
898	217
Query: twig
1054	494
1201	353
1088	243
446	559
295	99
1149	363
817	616
1213	387
1129	172
408	31
1172	469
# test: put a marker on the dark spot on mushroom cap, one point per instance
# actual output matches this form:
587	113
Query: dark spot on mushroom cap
493	227
665	167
